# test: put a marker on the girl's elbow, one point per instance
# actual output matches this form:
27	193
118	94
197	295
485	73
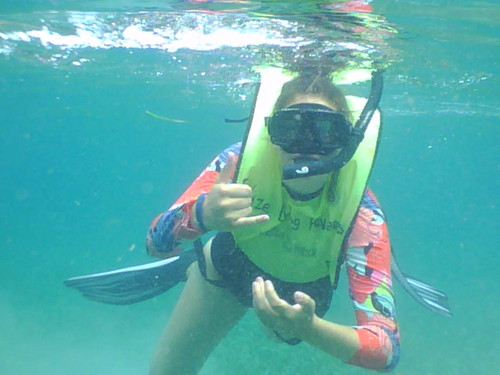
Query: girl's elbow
379	349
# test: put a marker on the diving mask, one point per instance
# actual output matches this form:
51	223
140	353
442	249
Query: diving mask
308	128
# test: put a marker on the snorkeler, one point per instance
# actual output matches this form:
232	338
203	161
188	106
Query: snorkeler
284	261
288	207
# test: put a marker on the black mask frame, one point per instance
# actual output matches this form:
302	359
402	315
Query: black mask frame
308	128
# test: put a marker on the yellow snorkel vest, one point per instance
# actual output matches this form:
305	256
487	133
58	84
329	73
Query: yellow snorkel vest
302	241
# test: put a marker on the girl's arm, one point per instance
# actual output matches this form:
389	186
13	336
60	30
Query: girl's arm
368	263
171	231
374	342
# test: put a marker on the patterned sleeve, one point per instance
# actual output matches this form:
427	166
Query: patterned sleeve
368	261
171	231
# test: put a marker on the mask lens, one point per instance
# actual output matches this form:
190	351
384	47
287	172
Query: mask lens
333	129
284	127
309	131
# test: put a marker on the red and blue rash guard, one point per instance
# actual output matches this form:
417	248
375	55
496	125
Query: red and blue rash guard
367	259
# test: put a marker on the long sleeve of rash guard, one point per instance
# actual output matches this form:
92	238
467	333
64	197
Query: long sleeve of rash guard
367	259
171	231
368	264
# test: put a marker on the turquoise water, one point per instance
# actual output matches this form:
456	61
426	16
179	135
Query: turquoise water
84	169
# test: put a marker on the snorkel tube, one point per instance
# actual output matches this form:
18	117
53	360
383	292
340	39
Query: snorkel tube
305	167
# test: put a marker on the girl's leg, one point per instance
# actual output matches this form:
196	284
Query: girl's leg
203	315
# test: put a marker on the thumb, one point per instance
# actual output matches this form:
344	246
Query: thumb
227	172
306	302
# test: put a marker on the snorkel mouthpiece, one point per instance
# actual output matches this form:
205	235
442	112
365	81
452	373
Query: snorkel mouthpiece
306	166
303	165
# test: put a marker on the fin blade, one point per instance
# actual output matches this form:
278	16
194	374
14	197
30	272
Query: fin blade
129	299
133	284
429	296
120	271
425	294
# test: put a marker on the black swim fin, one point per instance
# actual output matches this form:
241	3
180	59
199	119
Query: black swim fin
130	285
423	293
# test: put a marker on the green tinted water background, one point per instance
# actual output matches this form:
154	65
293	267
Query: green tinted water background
84	169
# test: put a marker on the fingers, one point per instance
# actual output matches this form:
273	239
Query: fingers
265	298
227	173
228	206
306	302
269	298
273	299
260	302
278	314
236	212
236	193
249	221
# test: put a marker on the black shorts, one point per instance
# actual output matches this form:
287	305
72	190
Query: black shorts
237	273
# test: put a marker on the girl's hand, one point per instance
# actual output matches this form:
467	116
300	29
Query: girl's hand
289	320
228	206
